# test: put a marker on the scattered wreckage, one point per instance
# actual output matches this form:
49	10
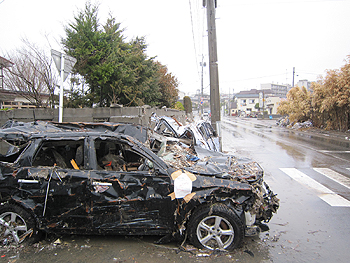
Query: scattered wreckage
199	133
89	178
284	122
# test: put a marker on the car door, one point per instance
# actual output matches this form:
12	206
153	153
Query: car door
62	186
132	197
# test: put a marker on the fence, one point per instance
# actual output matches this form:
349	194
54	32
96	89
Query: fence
138	115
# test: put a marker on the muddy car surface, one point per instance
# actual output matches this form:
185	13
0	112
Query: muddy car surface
79	179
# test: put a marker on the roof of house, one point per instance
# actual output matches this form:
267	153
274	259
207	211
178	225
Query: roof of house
5	63
253	93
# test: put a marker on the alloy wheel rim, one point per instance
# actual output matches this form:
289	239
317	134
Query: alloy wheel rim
215	232
13	226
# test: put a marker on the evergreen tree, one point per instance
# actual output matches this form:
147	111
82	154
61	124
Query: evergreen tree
116	71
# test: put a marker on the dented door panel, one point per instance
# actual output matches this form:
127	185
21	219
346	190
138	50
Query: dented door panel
62	197
134	202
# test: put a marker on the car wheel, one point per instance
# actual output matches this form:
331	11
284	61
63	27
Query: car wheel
16	225
216	227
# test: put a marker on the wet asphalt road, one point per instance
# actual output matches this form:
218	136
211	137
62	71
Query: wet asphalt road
308	229
305	229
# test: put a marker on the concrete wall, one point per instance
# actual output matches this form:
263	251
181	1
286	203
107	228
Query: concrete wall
138	115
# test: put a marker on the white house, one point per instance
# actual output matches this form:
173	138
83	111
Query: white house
256	100
271	104
247	100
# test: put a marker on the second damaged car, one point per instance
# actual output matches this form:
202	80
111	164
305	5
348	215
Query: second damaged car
86	181
199	133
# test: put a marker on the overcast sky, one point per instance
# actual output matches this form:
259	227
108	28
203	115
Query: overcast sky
259	41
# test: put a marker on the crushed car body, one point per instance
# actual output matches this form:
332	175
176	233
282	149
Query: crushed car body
88	178
199	133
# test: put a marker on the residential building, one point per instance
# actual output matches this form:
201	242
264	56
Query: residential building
12	99
304	83
4	63
271	104
254	101
247	100
278	90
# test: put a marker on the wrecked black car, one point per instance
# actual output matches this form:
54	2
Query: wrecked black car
80	179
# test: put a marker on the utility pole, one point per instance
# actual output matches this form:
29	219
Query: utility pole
213	65
293	77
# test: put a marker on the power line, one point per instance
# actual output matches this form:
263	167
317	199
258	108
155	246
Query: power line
194	42
255	3
261	77
274	75
198	19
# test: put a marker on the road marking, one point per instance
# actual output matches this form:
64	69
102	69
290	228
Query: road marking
324	193
337	177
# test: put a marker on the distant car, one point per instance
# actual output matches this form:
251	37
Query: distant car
78	178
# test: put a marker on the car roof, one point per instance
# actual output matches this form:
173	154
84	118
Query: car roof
20	132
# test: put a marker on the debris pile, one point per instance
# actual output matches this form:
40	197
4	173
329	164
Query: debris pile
177	155
300	125
180	156
284	122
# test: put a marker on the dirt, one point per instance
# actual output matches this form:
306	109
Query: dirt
78	249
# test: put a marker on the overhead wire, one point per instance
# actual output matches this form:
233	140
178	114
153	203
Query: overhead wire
198	28
244	3
261	77
193	37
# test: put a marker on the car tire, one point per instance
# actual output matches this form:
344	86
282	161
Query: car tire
16	225
216	227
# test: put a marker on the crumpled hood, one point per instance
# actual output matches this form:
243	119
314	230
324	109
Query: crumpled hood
211	163
228	167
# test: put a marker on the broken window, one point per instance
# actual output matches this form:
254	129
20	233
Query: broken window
63	153
203	132
115	156
9	153
187	135
164	129
210	130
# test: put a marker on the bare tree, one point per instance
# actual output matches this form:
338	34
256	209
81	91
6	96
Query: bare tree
31	76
